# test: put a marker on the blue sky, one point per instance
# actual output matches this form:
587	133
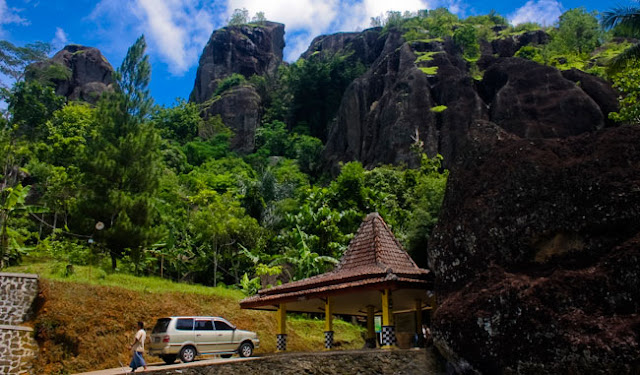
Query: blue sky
177	30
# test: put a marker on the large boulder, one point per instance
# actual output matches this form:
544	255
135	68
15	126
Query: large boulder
508	46
85	75
605	96
536	101
536	254
243	49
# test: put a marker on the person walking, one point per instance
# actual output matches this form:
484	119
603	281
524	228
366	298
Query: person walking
137	348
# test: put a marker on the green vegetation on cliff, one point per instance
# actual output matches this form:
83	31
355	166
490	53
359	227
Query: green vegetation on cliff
131	188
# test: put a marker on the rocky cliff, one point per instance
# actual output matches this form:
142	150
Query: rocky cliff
423	93
85	74
536	254
253	49
363	46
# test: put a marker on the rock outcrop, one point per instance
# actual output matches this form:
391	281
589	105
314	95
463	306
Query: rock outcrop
244	49
362	46
536	101
382	110
85	75
423	94
239	108
254	49
507	47
536	254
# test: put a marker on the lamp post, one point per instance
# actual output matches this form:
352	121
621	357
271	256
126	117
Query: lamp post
98	227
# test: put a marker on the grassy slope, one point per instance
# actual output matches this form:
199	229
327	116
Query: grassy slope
86	322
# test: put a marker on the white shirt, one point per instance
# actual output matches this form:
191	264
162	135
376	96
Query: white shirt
138	346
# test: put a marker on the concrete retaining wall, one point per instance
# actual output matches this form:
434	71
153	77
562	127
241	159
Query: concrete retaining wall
17	345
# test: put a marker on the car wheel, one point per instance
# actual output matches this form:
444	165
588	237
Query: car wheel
169	359
245	349
188	354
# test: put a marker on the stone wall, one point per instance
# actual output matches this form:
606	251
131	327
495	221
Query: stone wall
17	292
17	345
17	349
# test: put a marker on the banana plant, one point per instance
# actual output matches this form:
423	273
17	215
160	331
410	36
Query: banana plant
12	204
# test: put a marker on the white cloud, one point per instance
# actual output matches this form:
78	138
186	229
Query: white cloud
60	39
176	30
9	16
544	12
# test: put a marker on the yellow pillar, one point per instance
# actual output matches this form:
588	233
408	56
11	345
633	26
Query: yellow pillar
387	308
281	335
328	323
388	329
371	327
328	311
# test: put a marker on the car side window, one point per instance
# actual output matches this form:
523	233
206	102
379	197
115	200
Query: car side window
204	325
184	325
222	326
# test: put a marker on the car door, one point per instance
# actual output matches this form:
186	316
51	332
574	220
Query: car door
225	334
183	332
205	337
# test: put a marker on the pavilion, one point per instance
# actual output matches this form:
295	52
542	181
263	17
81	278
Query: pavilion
374	276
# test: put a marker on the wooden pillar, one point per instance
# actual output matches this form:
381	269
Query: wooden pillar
419	335
328	323
281	335
388	328
370	341
433	302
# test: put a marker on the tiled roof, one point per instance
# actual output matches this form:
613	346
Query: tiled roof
374	256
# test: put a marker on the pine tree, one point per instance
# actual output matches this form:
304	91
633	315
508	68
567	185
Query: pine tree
123	162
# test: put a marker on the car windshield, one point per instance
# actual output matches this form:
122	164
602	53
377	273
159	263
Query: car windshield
161	325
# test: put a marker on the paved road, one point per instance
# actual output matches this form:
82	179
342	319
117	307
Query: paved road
154	367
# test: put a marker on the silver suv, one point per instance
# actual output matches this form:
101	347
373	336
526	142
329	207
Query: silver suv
188	336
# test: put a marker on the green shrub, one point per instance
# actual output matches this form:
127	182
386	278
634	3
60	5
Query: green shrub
233	80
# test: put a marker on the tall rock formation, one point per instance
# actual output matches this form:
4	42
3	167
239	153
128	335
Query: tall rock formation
85	75
253	49
536	254
423	94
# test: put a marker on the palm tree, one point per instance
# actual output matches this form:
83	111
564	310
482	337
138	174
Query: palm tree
627	18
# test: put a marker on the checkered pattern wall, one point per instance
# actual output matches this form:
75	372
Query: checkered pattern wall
281	342
388	335
328	339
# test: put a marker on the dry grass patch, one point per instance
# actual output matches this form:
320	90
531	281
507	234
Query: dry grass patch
83	327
